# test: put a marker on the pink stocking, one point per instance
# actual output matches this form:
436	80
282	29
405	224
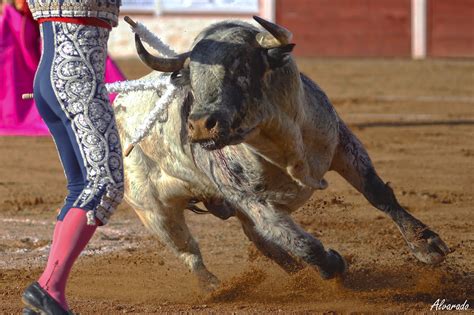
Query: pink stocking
70	238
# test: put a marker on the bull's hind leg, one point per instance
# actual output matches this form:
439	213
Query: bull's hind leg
280	238
353	163
169	224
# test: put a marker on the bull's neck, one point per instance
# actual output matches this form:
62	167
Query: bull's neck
285	103
286	96
280	138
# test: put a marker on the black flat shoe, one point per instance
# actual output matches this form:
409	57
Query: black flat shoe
27	311
39	301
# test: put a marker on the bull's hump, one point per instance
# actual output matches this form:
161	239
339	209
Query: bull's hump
227	31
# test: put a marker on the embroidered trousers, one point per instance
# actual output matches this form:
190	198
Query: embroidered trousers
71	97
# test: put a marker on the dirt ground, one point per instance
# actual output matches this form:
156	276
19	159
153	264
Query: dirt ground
416	120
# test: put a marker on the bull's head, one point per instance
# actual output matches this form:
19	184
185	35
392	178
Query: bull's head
225	72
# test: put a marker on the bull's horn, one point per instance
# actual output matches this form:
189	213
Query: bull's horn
280	36
170	64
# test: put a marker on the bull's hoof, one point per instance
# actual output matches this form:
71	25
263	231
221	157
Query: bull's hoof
428	247
336	265
208	282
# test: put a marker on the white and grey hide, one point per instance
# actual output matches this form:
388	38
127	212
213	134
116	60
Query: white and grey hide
248	136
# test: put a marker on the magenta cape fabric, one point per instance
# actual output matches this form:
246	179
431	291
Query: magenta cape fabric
19	55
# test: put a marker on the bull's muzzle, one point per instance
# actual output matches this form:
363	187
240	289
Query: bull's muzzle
206	127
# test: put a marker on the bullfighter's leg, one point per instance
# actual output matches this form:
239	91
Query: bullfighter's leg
170	225
353	163
273	230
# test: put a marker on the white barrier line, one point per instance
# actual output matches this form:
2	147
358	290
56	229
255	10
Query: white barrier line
397	98
29	221
427	98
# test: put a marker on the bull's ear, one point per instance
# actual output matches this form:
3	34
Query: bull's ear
279	56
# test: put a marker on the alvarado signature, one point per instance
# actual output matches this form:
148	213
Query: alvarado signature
441	305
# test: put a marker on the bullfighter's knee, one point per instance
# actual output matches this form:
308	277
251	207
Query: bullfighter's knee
111	197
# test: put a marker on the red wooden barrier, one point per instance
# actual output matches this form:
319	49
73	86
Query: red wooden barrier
364	28
450	28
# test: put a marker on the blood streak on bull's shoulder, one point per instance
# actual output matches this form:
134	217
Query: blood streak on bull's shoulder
224	163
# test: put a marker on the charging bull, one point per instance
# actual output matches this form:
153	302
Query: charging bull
248	136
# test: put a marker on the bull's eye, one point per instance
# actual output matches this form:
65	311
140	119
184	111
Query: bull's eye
180	77
176	75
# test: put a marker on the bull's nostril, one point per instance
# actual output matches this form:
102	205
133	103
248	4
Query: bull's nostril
211	122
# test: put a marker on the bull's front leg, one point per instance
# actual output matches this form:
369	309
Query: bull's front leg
162	212
269	247
169	224
353	163
281	239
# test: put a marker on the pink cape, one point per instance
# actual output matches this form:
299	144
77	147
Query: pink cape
19	55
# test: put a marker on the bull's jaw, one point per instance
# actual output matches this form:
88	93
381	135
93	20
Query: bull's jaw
235	138
211	145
